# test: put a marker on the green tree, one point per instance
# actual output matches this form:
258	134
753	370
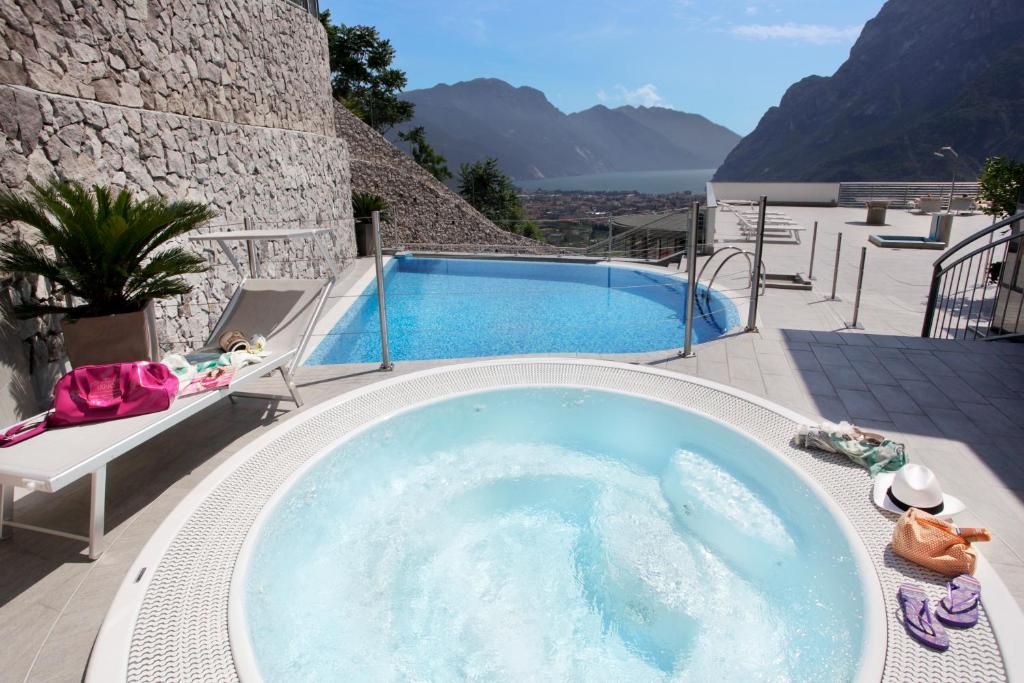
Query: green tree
492	193
425	155
1001	182
362	77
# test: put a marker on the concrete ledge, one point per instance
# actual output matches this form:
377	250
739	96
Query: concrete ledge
905	242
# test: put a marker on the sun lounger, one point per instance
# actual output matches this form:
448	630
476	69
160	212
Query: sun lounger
773	227
284	311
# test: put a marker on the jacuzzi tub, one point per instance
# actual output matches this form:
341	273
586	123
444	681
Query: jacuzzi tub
549	533
602	448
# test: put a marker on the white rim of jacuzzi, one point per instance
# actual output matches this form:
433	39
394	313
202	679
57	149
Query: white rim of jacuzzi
347	299
164	613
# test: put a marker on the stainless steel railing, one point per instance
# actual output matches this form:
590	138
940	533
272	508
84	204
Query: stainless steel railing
977	286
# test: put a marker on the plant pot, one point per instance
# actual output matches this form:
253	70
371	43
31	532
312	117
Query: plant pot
120	338
364	238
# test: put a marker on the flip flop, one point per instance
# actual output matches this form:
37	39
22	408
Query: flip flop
917	618
960	609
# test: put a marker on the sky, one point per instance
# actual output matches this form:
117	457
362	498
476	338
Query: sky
729	60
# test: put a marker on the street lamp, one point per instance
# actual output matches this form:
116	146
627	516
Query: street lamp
948	152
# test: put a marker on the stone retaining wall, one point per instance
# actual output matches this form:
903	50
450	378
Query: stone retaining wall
423	210
221	101
260	62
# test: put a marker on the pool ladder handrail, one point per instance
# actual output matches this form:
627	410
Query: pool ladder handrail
762	280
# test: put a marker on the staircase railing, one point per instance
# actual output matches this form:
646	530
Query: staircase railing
977	286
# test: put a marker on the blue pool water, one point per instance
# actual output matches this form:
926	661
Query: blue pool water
463	308
551	534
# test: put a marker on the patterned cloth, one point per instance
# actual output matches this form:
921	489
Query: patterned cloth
872	451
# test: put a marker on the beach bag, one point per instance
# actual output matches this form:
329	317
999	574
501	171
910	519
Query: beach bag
937	544
93	393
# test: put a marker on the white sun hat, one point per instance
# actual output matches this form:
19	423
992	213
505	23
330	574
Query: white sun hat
914	486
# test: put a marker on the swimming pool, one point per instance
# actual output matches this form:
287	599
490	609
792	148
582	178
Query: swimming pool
463	308
558	533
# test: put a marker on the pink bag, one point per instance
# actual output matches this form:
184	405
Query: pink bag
93	393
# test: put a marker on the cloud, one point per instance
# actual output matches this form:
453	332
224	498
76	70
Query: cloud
751	10
646	95
805	33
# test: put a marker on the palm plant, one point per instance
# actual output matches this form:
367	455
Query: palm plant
365	203
104	246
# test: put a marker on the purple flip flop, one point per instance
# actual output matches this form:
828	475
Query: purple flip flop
960	609
917	618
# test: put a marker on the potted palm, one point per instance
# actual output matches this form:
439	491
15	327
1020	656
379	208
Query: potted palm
363	206
103	250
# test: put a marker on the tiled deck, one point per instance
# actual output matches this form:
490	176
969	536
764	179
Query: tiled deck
957	406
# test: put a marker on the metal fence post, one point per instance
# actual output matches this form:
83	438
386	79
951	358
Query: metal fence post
611	231
814	243
385	352
691	280
250	250
835	270
854	324
755	289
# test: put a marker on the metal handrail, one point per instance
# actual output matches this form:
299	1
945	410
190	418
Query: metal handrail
762	281
940	267
720	251
981	233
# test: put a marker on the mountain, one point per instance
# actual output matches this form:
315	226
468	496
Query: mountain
531	138
922	75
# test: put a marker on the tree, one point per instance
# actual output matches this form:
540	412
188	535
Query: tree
362	77
425	155
1001	183
492	193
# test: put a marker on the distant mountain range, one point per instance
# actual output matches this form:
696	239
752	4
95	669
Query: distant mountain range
922	75
531	138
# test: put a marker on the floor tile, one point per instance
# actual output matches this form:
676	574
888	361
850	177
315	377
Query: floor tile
816	383
894	399
901	368
925	394
874	373
772	364
744	368
862	405
844	377
831	355
804	360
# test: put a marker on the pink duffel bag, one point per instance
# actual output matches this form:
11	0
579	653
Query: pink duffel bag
93	393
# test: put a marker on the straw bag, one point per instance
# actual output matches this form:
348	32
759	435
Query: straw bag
936	544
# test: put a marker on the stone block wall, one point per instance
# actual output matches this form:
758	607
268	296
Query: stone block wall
423	210
221	101
259	62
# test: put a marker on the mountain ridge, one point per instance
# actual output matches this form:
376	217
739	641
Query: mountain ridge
531	138
923	74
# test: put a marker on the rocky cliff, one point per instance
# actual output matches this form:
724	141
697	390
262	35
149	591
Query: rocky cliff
922	75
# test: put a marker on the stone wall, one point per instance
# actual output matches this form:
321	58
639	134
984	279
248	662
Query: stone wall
423	210
259	62
221	101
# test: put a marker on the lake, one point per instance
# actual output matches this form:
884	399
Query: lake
647	182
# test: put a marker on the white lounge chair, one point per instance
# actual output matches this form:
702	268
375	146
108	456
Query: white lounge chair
284	311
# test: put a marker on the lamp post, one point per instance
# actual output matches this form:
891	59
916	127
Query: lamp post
948	152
